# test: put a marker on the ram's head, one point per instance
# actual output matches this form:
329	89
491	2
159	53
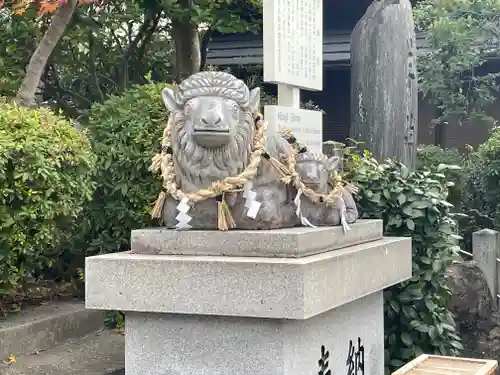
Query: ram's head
213	108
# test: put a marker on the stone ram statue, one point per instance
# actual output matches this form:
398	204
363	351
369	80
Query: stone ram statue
315	172
212	136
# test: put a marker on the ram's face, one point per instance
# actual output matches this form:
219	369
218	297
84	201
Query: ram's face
211	121
313	174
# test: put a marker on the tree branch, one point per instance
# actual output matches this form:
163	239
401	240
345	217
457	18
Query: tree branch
149	17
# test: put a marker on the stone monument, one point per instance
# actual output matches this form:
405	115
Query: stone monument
384	86
291	286
269	301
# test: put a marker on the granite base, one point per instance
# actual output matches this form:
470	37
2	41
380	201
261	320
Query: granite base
250	303
168	344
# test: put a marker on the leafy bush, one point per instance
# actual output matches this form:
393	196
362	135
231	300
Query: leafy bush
412	204
46	178
124	132
484	174
481	189
452	70
430	157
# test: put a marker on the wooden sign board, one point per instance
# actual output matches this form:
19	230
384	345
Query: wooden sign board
439	365
305	124
293	43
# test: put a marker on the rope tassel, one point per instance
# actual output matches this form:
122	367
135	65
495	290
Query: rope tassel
351	188
279	166
155	163
158	207
225	220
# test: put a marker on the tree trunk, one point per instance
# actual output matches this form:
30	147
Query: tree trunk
205	40
59	22
187	49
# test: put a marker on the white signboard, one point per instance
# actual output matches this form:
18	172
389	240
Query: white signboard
306	125
293	43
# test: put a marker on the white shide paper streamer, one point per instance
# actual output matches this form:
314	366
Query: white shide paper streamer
298	211
183	218
343	217
251	203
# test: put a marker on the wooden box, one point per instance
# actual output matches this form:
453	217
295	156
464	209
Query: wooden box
439	365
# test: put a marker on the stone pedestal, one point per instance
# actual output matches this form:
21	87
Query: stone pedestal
250	302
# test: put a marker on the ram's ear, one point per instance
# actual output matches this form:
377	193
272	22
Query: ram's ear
333	163
171	99
254	102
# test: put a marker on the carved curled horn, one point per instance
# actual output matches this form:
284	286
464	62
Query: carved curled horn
177	95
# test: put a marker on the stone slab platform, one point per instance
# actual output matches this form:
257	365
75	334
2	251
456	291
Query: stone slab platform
280	288
288	243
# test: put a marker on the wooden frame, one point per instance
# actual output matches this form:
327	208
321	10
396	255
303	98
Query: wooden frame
440	365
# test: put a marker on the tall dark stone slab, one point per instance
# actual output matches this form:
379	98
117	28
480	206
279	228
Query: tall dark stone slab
384	87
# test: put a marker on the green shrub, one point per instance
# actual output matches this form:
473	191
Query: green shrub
429	157
412	204
124	132
46	178
484	177
481	189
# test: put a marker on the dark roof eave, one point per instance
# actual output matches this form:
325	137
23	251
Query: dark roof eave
247	49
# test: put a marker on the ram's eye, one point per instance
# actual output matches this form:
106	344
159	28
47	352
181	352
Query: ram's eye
188	108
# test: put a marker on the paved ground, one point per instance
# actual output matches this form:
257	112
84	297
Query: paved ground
100	353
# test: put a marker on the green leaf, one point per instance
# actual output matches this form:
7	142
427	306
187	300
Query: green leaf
404	172
409	311
437	265
420	204
387	194
418	351
396	363
457	345
406	339
422	328
408	210
395	305
406	354
410	224
429	304
401	199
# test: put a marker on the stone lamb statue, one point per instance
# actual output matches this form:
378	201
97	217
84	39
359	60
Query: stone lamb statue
213	141
315	171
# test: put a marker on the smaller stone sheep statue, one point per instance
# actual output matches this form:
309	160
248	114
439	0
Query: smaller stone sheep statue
328	206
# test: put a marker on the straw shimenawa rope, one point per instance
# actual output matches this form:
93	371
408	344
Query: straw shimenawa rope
335	179
163	163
